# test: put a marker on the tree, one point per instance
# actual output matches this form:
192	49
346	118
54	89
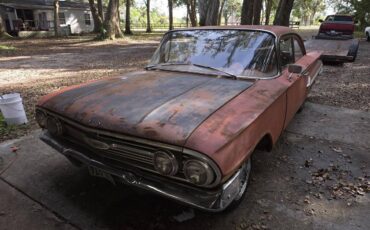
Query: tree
56	18
192	12
283	11
170	14
128	18
257	8
307	9
221	10
111	26
231	8
100	9
148	27
247	12
268	11
2	27
208	12
98	21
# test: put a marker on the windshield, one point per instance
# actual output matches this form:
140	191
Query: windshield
236	52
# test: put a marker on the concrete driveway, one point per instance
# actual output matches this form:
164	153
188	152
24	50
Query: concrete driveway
316	177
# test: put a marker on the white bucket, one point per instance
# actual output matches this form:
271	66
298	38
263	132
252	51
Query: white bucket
11	107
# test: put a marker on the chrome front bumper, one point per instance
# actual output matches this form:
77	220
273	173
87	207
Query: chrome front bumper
214	200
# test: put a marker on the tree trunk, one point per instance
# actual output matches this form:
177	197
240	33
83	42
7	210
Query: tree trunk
192	12
170	14
56	18
117	25
268	11
2	26
220	13
111	23
148	27
208	12
247	12
283	11
257	7
202	8
98	22
128	18
100	9
187	13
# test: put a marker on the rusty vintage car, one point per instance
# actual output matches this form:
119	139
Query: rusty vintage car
187	125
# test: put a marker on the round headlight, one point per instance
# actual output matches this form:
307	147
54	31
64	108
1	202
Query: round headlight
54	126
41	118
198	172
165	163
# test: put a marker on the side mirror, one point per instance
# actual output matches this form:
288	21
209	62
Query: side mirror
321	21
292	68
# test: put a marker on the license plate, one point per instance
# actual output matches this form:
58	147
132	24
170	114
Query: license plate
100	173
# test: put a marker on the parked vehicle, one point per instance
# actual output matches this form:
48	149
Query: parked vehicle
367	33
342	26
335	39
187	125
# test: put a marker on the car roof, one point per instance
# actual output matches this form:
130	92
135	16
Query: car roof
277	30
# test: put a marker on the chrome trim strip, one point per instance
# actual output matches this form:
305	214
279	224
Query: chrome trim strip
312	80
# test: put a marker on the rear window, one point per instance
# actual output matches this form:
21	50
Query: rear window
339	18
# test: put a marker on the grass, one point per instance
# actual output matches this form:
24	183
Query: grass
7	48
7	131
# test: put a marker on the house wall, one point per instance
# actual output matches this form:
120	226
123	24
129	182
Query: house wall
76	20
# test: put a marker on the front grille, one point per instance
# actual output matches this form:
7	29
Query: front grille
136	154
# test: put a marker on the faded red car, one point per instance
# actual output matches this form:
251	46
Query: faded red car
187	125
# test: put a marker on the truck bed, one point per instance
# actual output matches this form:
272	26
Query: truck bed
334	50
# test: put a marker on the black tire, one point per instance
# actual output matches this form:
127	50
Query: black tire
244	187
367	36
353	49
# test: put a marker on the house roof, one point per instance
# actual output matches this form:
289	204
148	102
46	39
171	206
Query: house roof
44	4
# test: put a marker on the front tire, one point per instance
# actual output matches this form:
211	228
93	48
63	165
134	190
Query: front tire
367	36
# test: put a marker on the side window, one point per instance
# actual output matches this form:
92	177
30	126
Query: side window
298	53
286	51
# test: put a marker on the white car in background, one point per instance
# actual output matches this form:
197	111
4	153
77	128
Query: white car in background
367	33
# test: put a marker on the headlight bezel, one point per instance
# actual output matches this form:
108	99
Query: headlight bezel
171	158
202	166
41	118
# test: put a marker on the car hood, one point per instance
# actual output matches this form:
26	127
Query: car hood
157	105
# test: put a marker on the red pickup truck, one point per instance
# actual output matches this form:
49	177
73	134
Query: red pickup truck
335	39
337	25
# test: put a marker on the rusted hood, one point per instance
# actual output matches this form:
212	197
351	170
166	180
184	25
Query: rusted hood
163	106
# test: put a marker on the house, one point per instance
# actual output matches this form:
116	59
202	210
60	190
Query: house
32	16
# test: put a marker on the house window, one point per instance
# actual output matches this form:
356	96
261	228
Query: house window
62	18
87	19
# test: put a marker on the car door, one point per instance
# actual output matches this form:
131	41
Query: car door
292	52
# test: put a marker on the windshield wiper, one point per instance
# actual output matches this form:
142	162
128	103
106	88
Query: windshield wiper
217	69
164	64
191	64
